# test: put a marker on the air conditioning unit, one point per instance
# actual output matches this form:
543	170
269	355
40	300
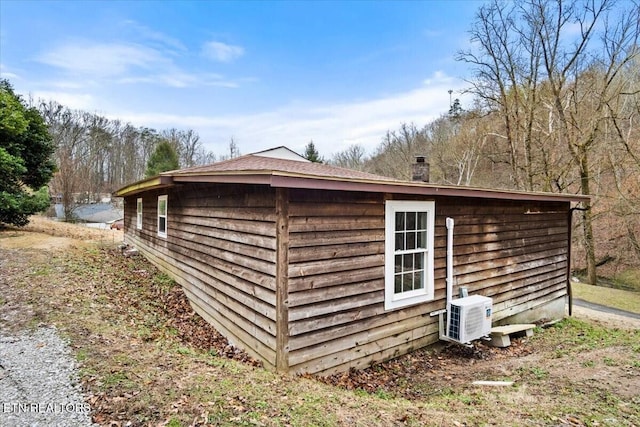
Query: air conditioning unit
469	318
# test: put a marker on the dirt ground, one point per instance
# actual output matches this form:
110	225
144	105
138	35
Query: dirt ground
602	370
39	239
606	319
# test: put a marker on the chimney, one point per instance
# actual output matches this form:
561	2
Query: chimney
420	169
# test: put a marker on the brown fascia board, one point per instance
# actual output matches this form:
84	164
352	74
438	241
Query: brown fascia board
302	181
401	187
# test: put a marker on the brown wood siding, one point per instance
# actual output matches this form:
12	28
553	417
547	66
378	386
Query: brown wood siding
514	252
336	286
221	247
325	295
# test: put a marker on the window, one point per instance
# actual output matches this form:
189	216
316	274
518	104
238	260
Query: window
409	229
139	214
162	216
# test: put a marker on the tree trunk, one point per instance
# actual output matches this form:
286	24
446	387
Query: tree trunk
587	218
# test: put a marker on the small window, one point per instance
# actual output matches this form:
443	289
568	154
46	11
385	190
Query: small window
409	228
162	216
139	214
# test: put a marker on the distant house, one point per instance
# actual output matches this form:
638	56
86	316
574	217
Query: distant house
313	268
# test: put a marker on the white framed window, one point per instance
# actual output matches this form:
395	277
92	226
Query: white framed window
162	216
139	213
409	229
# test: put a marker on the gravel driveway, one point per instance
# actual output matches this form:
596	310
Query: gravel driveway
38	384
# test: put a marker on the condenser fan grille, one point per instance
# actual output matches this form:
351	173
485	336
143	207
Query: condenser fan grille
454	326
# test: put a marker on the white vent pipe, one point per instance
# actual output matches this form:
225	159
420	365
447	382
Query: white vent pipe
449	290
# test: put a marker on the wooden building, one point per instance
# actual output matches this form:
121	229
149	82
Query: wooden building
318	269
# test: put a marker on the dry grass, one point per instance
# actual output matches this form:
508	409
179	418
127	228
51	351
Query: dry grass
66	232
138	368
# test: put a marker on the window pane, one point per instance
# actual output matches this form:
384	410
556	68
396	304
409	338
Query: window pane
407	262
399	241
162	225
422	220
422	239
399	221
410	241
162	207
398	264
418	261
398	283
418	280
407	282
411	220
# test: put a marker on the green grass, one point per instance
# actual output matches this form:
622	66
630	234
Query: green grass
629	279
534	372
623	300
574	336
81	355
174	423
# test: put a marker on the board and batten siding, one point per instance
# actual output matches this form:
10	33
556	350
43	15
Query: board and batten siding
514	252
221	248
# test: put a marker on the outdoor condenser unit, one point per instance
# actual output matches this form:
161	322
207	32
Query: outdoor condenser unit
469	318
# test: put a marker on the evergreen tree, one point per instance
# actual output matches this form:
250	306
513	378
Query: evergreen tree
311	154
456	110
164	158
26	165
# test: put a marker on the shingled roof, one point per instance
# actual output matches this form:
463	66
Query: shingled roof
253	163
287	173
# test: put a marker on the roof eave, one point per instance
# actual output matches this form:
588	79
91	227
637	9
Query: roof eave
160	181
417	188
305	181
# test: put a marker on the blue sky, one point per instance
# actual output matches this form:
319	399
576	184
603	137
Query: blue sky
264	73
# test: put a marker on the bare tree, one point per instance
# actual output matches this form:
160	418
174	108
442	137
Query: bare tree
190	144
506	59
397	151
234	151
538	72
351	158
68	134
458	142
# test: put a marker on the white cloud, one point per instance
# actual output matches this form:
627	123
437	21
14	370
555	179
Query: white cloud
75	101
102	59
6	74
150	34
222	52
332	127
127	63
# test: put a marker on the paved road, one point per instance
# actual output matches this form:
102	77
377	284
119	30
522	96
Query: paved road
604	308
